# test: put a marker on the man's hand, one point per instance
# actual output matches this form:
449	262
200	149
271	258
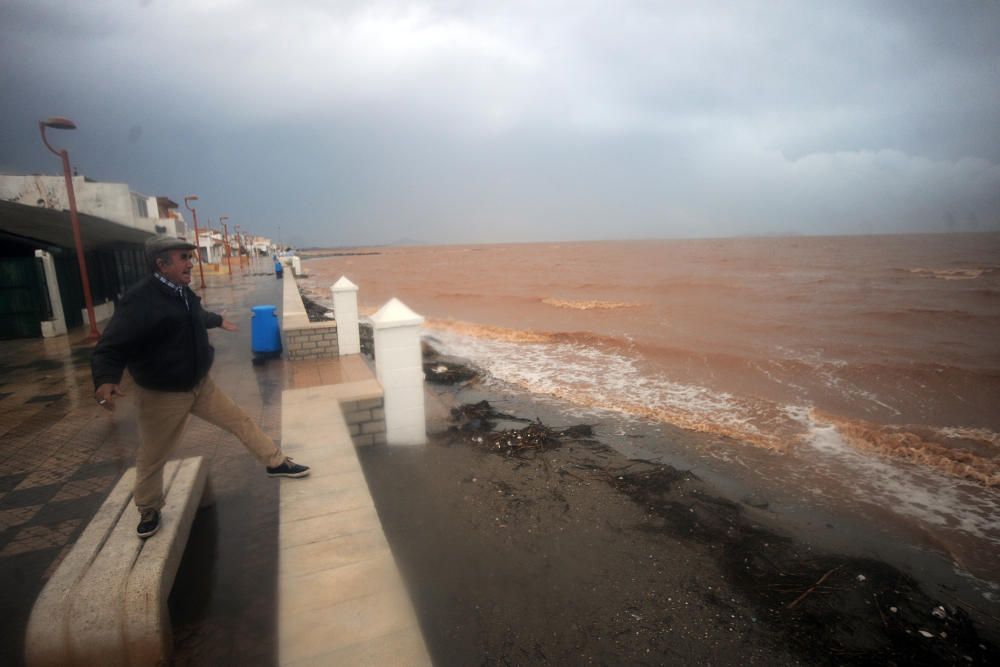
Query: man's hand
228	326
106	395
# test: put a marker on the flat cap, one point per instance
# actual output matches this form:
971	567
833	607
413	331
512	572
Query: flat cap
162	242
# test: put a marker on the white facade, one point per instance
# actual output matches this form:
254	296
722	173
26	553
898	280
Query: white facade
262	246
111	201
212	246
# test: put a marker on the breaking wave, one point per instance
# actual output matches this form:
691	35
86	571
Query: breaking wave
917	444
593	371
588	305
602	373
504	334
953	274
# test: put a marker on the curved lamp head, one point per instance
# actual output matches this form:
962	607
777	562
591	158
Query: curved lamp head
59	123
190	198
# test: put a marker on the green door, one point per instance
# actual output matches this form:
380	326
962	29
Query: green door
23	299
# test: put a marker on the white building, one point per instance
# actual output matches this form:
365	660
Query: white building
40	285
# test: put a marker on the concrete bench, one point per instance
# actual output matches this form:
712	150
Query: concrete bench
106	603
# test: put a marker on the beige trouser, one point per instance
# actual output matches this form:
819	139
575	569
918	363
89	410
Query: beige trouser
162	416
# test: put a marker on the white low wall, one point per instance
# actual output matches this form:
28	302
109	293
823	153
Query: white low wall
304	339
399	369
345	308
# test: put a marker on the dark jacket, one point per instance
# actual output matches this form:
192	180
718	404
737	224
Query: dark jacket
163	343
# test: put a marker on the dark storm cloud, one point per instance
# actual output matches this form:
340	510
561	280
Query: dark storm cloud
371	121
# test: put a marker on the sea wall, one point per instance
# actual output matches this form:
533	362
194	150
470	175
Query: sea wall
365	420
304	339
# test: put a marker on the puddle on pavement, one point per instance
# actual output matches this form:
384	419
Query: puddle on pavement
223	604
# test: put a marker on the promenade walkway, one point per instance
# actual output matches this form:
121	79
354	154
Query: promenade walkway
341	599
60	454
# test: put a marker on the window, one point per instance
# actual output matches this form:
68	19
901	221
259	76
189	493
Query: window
141	209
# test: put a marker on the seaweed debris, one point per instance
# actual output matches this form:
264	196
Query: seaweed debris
444	369
317	312
475	423
479	416
448	371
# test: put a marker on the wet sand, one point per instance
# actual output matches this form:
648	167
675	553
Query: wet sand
578	555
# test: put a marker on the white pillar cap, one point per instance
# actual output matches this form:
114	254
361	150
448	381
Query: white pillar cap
395	313
344	285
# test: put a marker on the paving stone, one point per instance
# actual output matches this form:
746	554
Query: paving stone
76	508
43	476
22	497
17	516
10	482
21	578
45	398
403	647
342	625
101	469
35	538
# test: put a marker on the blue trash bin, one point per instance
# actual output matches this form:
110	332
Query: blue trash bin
265	334
278	270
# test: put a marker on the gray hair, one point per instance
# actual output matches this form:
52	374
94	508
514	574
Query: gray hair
153	257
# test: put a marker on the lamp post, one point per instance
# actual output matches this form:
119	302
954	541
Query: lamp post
197	240
206	229
239	245
59	123
225	235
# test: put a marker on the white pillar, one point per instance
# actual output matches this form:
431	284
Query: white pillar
57	325
345	311
400	371
296	266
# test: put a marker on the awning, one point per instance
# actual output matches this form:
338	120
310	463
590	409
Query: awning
50	227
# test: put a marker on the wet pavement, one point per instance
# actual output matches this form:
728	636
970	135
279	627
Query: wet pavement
61	454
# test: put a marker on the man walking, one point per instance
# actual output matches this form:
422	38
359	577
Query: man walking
160	333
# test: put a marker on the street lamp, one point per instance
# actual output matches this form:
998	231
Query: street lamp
60	123
225	234
239	245
197	240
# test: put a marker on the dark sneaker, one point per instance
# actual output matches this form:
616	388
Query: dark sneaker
148	524
288	469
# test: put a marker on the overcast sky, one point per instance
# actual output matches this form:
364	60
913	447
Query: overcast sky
369	122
